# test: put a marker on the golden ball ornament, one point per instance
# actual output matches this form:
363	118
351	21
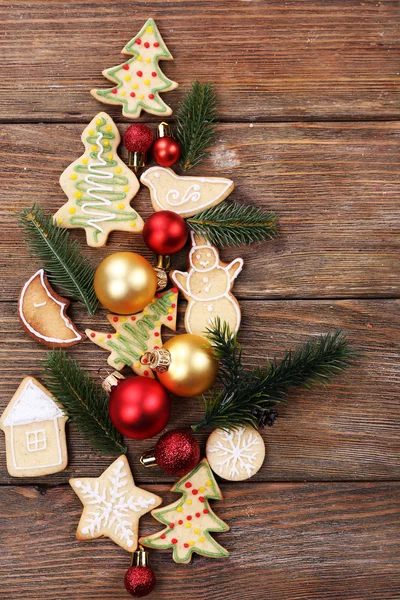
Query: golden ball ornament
193	366
125	282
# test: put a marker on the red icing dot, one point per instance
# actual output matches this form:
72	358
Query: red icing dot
205	511
189	517
156	347
185	545
180	522
144	361
146	45
126	67
138	41
169	318
197	515
173	305
108	335
133	318
154	74
159	295
163	536
92	335
113	91
139	73
156	334
201	498
172	525
174	541
174	290
145	373
156	44
133	94
188	484
151	96
115	319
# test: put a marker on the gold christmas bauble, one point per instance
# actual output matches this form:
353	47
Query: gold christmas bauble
125	283
193	366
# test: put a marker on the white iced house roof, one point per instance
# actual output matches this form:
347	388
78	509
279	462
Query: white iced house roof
33	405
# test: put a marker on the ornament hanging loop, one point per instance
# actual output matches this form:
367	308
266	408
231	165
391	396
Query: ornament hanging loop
158	360
111	381
164	130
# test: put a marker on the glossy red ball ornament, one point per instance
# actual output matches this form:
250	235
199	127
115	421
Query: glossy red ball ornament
177	452
138	138
139	581
166	151
165	232
139	407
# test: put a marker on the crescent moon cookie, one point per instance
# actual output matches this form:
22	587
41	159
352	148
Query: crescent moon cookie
184	195
235	455
42	314
99	187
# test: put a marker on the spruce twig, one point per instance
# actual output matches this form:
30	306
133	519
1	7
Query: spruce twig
62	259
250	397
195	123
234	224
83	401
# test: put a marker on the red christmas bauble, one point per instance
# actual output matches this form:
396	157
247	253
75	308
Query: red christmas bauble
177	452
165	232
166	151
139	407
138	138
139	581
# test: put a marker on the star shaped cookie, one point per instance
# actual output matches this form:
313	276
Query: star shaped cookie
113	505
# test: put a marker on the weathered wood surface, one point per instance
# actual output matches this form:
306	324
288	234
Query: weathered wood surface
287	542
348	430
334	186
271	60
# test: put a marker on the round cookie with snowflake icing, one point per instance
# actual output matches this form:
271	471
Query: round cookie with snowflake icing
235	455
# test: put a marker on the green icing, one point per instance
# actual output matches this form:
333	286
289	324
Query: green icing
100	211
130	347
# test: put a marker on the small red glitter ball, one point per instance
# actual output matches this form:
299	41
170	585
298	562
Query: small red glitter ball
138	138
177	452
165	232
139	581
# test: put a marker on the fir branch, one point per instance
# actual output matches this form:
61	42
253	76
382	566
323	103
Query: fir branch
62	259
195	123
83	401
250	397
234	224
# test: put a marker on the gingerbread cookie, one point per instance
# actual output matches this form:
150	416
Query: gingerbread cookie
184	195
190	520
42	314
207	287
137	334
112	505
34	426
99	187
235	455
140	80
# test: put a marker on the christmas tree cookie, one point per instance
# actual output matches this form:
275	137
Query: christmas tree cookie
140	79
136	334
190	520
99	187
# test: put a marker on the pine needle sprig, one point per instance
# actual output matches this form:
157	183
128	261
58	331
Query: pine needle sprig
234	224
250	397
85	403
62	259
195	123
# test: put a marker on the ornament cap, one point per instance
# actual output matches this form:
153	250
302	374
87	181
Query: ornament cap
148	459
136	160
163	265
158	360
111	381
140	558
164	130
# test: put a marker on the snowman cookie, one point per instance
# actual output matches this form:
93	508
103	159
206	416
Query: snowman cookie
207	287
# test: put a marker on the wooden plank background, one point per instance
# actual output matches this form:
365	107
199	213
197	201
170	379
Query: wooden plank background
309	102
